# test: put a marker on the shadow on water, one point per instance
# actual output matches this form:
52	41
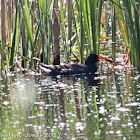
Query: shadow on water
105	106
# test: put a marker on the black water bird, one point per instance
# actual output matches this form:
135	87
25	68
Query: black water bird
88	68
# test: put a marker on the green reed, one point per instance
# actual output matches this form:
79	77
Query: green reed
29	32
113	17
15	36
128	15
3	34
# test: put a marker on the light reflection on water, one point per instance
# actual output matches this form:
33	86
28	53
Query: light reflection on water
44	107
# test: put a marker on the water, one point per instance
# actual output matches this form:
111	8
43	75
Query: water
40	107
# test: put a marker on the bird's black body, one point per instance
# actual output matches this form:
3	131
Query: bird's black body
87	68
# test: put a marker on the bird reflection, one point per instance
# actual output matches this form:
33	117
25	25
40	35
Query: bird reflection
88	79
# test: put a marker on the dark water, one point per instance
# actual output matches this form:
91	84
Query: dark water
105	107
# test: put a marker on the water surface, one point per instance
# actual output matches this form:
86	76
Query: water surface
40	107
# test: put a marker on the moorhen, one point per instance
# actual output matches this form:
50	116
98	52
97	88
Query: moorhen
88	68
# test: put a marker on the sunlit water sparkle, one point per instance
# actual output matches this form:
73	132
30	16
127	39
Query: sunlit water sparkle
105	107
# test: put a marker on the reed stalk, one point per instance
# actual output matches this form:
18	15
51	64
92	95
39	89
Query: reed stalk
133	28
93	4
69	7
81	34
3	34
25	12
99	24
15	37
64	34
86	22
76	30
55	26
113	15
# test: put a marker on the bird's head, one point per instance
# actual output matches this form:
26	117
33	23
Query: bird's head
92	59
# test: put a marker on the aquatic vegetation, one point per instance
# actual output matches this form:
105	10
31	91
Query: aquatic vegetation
103	27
